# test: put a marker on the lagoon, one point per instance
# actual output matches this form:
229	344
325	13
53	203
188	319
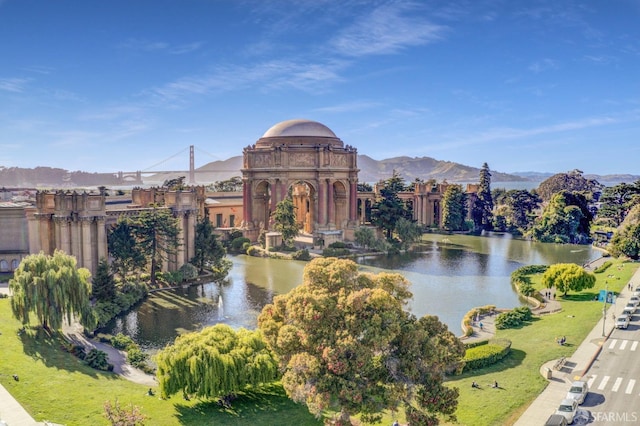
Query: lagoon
449	275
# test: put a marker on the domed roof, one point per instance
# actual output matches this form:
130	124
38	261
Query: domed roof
299	127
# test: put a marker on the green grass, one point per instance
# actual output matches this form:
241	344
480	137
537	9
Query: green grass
532	345
56	386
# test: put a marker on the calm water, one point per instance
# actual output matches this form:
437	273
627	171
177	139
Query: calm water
449	275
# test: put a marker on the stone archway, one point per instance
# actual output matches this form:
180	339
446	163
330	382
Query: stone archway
307	158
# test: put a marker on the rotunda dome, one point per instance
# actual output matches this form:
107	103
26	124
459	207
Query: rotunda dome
299	128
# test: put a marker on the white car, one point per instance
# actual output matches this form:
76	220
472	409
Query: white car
628	312
635	299
578	391
631	306
622	321
568	409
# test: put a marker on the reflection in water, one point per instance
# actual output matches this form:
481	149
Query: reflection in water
448	274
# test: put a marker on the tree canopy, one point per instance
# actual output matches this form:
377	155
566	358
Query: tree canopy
284	221
572	181
126	255
53	289
616	201
566	219
626	240
454	208
568	277
482	210
209	250
344	342
389	208
214	362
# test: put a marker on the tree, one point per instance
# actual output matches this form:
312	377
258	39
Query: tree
572	181
386	211
364	236
617	200
566	219
215	362
408	231
230	185
52	288
482	210
345	342
126	255
103	285
209	250
454	208
521	204
156	231
626	240
568	276
284	219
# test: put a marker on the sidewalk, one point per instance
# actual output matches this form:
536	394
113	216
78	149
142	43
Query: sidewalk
574	367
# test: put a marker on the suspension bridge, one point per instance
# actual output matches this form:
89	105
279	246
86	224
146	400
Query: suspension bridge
136	177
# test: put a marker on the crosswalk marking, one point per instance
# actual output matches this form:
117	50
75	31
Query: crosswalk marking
630	386
623	344
613	343
616	384
605	379
634	346
591	380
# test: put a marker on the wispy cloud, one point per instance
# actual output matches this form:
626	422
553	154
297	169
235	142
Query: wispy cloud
265	76
542	65
387	29
349	107
160	46
16	85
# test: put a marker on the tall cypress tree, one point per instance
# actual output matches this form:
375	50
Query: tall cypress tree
482	210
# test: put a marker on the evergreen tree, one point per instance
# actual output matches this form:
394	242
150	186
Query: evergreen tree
345	343
52	288
156	231
103	287
123	248
386	211
208	247
566	219
454	208
482	210
284	221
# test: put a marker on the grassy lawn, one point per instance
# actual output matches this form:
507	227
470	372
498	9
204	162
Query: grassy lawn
533	345
57	387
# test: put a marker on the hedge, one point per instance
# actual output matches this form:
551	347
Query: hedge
483	355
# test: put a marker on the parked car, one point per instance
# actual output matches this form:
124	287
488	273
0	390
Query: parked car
628	312
556	420
635	299
578	391
623	321
631	306
568	409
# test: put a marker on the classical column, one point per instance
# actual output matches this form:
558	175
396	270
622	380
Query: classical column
353	200
85	236
321	202
331	202
181	240
101	237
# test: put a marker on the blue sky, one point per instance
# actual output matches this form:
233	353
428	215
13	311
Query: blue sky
103	86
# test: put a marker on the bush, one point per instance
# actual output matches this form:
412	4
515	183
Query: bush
136	357
514	318
600	269
254	251
237	243
189	272
335	252
302	255
337	245
121	341
98	359
483	355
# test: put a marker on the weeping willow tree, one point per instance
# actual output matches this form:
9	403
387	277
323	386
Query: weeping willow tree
214	362
52	288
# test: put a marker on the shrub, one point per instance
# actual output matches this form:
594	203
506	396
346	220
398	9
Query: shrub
189	272
514	318
98	359
337	245
483	355
237	243
121	341
302	255
600	269
335	252
136	357
254	251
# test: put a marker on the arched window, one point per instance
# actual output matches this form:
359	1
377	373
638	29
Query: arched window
14	264
4	266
